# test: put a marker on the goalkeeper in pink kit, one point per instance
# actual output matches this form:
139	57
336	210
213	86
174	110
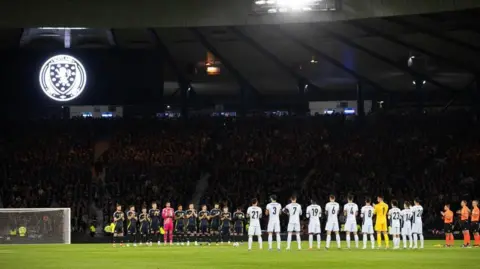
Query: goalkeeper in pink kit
168	215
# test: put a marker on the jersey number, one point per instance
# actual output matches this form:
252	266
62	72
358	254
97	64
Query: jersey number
333	211
351	211
419	213
369	213
294	210
274	211
255	215
315	212
396	215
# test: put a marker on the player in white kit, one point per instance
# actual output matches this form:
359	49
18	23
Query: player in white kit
314	213
367	223
395	227
294	210
350	210
407	224
331	210
254	213
273	210
417	225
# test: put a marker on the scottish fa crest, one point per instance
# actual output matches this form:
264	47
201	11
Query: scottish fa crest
63	78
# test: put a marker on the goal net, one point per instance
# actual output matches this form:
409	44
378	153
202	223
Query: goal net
35	226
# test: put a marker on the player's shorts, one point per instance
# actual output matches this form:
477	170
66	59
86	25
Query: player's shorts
314	228
367	229
191	229
238	230
407	229
417	228
155	228
179	228
225	230
273	227
381	227
144	229
132	229
203	229
351	226
118	229
331	226
294	227
215	226
465	225
475	226
448	228
254	230
395	230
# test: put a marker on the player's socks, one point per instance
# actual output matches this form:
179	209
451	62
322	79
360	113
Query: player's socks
404	238
415	240
365	239
270	237
310	241
422	240
319	240
372	239
356	240
379	240
447	239
260	242
348	240
250	241
387	240
289	240
477	239
299	241
329	238
279	241
338	240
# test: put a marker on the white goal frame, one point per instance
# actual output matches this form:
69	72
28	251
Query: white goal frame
67	228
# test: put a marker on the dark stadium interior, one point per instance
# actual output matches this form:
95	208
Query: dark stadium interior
417	138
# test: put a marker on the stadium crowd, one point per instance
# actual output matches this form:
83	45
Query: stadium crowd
51	163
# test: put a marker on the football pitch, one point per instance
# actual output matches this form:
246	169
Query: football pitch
195	257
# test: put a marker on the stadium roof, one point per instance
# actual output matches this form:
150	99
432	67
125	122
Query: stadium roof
443	49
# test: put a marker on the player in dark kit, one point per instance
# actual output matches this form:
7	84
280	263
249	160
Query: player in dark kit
191	219
155	215
180	225
144	225
132	226
215	222
118	218
203	232
225	218
239	223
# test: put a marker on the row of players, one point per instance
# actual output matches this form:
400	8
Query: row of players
215	223
406	222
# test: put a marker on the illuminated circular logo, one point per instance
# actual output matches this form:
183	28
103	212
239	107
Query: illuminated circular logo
63	78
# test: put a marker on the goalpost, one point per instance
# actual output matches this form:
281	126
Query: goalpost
35	226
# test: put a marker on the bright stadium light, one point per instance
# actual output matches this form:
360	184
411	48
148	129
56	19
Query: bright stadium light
62	78
284	6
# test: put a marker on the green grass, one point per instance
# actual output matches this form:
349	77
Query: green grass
224	257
